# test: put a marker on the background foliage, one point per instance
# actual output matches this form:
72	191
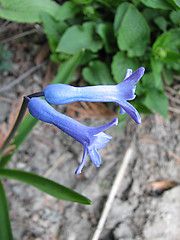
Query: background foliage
102	38
114	35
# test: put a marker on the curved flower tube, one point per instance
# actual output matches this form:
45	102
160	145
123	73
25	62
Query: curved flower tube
62	94
92	138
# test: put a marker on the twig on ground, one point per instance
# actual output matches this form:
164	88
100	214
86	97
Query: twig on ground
23	34
4	27
22	77
56	164
115	187
175	110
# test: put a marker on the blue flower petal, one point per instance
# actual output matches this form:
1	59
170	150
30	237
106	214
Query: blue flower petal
95	157
79	169
91	138
62	94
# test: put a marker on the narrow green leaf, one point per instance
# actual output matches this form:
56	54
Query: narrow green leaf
97	73
66	70
77	38
27	11
23	131
5	225
120	64
50	187
133	34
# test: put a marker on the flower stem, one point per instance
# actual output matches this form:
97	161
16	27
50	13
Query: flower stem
19	119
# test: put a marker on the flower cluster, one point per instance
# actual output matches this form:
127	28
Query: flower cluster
91	138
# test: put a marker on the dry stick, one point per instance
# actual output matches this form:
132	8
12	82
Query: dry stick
175	110
22	77
56	164
116	184
23	34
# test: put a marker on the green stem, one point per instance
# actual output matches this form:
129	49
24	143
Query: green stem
19	119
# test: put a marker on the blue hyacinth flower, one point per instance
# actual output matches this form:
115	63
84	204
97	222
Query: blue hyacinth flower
91	138
62	94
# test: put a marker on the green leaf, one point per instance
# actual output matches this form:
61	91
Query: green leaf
175	17
105	31
174	3
157	67
82	1
120	64
120	13
138	103
5	226
168	76
148	82
53	29
50	187
167	46
157	101
66	11
66	70
161	22
87	57
133	33
23	131
77	38
97	73
159	4
27	11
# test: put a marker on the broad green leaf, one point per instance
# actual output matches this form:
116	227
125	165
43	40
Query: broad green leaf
161	22
138	103
120	13
66	70
66	11
82	1
50	187
148	82
157	101
105	31
160	4
157	67
97	73
77	38
5	226
120	64
53	29
27	11
133	33
175	17
167	75
167	46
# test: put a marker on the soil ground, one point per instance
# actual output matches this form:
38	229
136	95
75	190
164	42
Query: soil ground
142	209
